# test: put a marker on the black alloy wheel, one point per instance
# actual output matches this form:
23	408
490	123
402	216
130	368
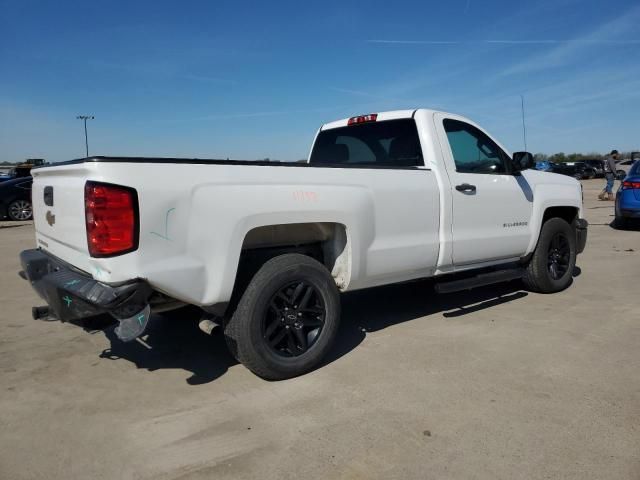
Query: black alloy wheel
286	319
550	268
294	319
558	256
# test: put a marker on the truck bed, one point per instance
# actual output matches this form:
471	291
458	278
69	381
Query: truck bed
195	216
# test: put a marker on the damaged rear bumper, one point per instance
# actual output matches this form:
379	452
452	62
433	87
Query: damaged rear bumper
73	295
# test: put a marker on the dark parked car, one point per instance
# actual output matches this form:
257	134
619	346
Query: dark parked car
628	198
22	170
17	172
623	167
579	170
15	199
597	165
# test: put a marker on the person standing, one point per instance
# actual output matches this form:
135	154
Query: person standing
609	175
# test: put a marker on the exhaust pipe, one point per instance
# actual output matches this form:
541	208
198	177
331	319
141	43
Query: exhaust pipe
207	325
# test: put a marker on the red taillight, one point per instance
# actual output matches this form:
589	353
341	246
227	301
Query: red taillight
630	185
111	214
372	117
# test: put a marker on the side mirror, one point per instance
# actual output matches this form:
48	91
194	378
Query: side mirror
523	161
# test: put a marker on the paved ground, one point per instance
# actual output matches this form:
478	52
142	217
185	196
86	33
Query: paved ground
494	384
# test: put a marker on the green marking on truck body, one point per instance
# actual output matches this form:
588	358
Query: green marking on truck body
166	226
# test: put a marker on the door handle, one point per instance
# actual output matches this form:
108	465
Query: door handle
465	187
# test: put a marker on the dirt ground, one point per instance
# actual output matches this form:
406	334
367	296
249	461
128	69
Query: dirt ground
497	383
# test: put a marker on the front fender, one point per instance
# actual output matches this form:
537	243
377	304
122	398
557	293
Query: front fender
551	195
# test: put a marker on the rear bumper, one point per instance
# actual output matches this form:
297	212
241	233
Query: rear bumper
628	204
72	294
581	234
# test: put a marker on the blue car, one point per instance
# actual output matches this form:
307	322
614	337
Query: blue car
544	166
628	197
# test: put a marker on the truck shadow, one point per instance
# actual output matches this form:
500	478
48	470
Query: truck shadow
175	342
378	308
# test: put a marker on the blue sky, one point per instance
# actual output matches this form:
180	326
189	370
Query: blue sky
248	80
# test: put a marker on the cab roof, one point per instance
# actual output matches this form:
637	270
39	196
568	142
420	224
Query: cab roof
380	116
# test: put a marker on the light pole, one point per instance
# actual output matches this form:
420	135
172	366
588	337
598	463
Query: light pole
85	118
524	128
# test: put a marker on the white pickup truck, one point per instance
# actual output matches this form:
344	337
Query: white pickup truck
266	248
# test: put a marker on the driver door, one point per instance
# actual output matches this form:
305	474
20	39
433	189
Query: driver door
491	206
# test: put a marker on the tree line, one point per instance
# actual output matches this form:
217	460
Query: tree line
573	157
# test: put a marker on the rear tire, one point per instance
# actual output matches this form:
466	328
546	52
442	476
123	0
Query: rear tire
551	266
287	318
20	210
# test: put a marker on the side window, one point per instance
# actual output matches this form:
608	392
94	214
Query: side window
473	151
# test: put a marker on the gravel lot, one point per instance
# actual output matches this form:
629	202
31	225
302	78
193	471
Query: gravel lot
497	384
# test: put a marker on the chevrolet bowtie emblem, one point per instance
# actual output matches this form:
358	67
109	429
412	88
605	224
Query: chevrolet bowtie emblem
51	218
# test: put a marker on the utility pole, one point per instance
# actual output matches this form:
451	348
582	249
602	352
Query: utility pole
86	140
524	128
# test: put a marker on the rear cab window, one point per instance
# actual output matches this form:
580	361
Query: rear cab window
389	143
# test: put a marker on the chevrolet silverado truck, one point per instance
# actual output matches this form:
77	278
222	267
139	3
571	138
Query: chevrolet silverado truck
265	249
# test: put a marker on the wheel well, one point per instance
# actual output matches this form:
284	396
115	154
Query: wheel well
326	242
569	214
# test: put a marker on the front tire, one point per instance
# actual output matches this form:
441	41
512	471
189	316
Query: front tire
551	266
287	318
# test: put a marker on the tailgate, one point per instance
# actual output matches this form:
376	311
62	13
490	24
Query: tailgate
59	218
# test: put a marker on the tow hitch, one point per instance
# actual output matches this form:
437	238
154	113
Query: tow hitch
42	313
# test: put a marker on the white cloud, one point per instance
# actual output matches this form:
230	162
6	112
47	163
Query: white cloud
417	42
609	33
568	42
159	69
